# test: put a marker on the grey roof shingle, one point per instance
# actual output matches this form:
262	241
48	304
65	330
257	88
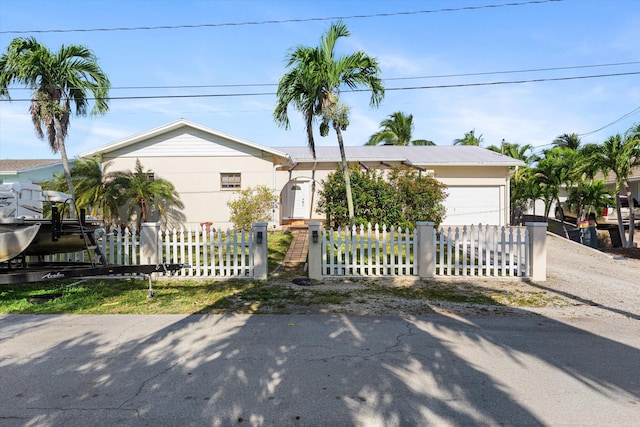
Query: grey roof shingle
415	155
17	165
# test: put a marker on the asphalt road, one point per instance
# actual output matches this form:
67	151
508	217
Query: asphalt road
318	370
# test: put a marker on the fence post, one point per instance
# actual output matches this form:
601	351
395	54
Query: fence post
425	250
260	260
149	243
538	250
315	251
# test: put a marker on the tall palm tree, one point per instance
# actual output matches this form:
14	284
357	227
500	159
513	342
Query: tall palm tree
469	139
145	195
58	80
619	155
312	86
397	129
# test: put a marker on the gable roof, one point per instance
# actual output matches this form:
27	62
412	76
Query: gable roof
13	166
173	126
413	155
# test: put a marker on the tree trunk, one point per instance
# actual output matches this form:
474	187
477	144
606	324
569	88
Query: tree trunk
65	165
347	179
564	224
632	216
623	236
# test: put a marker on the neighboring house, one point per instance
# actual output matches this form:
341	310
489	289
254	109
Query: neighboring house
29	170
207	166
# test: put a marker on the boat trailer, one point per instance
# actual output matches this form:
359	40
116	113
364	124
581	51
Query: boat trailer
59	271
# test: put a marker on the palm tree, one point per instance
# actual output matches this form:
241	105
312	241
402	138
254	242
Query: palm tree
397	130
97	193
520	189
619	155
552	172
566	140
146	195
58	79
469	139
313	84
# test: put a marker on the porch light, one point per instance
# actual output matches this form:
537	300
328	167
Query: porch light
314	236
259	237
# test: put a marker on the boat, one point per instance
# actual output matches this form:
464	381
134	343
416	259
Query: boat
22	214
15	240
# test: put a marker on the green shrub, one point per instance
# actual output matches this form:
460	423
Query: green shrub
401	200
252	205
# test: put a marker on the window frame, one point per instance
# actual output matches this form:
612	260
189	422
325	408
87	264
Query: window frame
227	181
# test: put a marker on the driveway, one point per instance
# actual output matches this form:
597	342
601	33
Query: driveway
607	285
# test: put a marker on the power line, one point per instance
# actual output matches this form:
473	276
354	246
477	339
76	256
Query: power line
619	119
283	21
572	67
548	79
222	95
531	70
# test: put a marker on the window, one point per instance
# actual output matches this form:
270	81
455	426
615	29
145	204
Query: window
229	181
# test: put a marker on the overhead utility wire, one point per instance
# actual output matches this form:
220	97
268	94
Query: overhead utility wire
619	119
221	95
284	21
387	79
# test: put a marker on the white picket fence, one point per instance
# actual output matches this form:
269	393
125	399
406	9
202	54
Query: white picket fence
484	251
207	253
374	251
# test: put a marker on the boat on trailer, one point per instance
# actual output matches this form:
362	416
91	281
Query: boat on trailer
15	240
21	209
26	234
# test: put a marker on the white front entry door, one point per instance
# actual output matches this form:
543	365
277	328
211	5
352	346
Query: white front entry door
299	196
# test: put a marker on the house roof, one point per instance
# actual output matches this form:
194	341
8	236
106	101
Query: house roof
173	126
413	155
13	166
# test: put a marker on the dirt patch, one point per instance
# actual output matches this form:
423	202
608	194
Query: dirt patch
405	296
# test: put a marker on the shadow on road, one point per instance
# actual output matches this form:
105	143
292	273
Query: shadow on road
308	370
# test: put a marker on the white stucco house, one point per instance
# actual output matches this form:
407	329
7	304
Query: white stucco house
207	166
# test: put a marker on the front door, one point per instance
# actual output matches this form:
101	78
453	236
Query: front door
299	196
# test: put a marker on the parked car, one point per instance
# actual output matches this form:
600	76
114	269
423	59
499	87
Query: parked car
609	214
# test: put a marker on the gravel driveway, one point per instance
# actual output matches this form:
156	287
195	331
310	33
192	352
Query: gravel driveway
608	285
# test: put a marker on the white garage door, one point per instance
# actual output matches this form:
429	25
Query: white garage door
473	205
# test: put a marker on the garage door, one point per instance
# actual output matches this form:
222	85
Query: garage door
473	205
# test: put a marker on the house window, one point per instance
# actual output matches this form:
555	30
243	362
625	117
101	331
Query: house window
229	181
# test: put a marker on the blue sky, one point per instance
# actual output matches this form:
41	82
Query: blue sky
414	50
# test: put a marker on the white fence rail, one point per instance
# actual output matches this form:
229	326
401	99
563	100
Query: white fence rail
369	252
476	250
486	251
207	253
